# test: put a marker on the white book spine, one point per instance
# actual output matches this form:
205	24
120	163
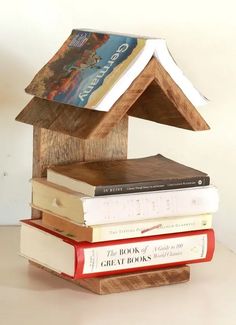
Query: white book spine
159	49
139	206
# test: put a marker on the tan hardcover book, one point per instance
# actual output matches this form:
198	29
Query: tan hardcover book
116	231
126	176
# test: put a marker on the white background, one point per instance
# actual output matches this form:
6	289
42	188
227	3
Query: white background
201	36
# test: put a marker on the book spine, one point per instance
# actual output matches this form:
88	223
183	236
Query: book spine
162	251
117	231
167	184
141	206
67	228
152	227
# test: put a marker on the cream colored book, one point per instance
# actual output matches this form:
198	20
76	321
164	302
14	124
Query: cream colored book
116	231
60	201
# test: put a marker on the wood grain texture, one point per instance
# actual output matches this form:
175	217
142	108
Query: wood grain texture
164	102
154	106
67	119
178	99
130	281
153	95
53	148
137	280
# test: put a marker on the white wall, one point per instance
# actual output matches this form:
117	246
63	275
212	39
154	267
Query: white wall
201	36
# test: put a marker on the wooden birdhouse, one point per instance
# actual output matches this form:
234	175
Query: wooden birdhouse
65	132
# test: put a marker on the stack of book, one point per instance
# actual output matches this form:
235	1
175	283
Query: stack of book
111	217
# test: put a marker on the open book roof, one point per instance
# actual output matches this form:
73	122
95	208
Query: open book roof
108	76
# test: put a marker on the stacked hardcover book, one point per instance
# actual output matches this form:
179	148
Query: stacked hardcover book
108	217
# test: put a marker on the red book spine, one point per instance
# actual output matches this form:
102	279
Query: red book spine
134	249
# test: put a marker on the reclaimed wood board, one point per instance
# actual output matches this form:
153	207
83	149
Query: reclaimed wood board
138	280
130	281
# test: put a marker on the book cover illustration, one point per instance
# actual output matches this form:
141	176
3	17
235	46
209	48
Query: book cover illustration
85	68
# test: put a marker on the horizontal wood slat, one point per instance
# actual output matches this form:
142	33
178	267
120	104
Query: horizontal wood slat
131	281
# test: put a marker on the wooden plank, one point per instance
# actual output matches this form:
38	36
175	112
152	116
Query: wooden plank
137	280
59	117
51	148
40	112
130	281
164	102
178	99
123	104
154	106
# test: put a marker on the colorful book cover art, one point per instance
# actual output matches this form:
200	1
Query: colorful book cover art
85	68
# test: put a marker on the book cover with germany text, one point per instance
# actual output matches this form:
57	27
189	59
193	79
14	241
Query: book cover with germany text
85	68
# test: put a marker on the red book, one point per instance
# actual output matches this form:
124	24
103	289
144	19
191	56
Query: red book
83	260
